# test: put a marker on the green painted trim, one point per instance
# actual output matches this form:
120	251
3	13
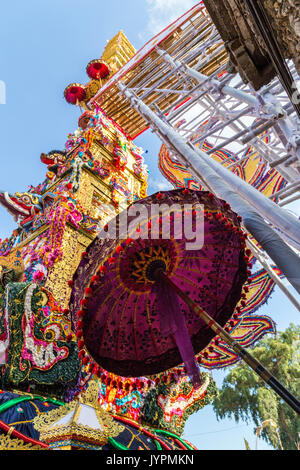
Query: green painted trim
158	446
116	444
171	434
15	401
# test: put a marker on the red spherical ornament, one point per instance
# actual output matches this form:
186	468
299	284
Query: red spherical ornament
97	69
85	119
75	93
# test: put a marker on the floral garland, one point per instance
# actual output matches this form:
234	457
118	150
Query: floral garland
59	216
76	165
96	127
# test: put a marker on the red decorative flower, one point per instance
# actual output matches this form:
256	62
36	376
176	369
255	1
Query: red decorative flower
81	354
88	291
69	338
79	334
38	276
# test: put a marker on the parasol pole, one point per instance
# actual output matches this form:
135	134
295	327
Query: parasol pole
160	276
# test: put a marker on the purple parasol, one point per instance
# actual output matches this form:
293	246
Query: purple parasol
126	315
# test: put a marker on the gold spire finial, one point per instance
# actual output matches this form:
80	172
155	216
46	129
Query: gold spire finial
118	51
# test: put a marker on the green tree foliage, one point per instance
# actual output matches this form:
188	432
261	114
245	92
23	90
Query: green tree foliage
245	396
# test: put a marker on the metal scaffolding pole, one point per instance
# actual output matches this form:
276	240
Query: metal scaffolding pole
282	255
276	115
267	208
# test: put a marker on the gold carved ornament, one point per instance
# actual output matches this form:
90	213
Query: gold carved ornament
45	422
9	443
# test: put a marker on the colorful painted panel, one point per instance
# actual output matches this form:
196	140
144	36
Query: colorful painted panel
39	354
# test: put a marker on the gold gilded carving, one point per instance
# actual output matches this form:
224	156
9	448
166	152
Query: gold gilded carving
62	271
9	443
72	426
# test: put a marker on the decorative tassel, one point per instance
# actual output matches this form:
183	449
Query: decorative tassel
172	322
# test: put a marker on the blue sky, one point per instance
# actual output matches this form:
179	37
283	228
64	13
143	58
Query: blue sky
45	45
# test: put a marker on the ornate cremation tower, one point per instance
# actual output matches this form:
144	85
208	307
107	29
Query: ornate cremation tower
178	85
98	173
